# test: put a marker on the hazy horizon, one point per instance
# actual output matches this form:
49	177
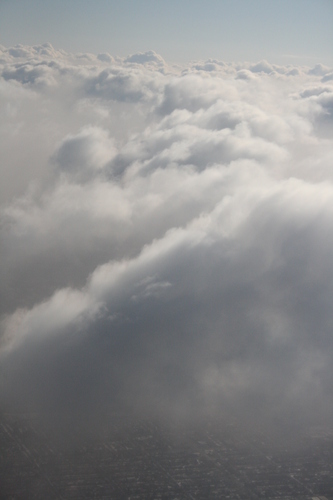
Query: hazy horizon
282	32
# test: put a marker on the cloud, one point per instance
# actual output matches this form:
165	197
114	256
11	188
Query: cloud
319	70
211	316
145	57
82	154
245	74
120	84
105	57
166	245
27	73
328	77
262	67
25	52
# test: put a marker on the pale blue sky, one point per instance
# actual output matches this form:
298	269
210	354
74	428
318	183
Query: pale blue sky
281	31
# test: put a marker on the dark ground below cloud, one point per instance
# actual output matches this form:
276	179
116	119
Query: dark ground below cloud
142	460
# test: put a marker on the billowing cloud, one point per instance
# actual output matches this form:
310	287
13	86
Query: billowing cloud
166	241
146	57
82	154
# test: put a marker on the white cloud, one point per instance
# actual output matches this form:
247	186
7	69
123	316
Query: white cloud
83	154
166	238
145	57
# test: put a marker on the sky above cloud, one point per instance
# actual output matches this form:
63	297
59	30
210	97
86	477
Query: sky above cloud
282	32
166	237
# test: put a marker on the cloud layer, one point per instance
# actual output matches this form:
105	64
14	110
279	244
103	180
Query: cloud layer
166	237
